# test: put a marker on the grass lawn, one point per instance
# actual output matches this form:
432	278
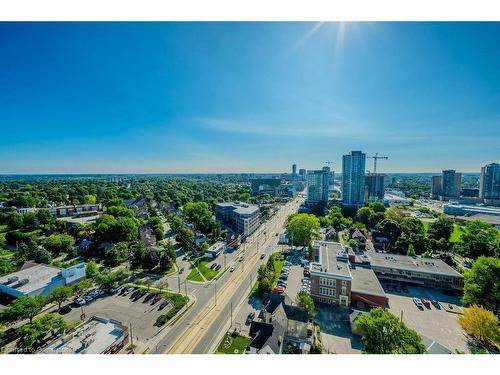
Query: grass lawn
233	344
207	272
194	275
455	235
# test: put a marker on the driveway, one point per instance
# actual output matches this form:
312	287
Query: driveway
336	330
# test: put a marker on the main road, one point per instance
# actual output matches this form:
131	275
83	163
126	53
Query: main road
200	328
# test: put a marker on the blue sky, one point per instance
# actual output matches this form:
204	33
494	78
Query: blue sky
247	97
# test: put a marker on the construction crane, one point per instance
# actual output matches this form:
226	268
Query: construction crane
375	158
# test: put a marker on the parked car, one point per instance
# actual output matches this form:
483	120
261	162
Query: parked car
278	290
181	271
418	303
88	298
128	290
148	297
65	309
240	259
262	256
115	289
436	304
426	302
164	304
155	299
232	268
80	301
213	265
250	318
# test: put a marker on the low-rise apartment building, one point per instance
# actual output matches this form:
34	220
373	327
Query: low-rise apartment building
243	218
432	273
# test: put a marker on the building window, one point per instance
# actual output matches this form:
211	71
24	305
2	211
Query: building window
327	292
344	283
327	282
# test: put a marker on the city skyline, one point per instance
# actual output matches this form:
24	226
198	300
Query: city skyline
247	97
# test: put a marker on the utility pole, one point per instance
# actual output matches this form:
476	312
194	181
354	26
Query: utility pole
179	282
231	313
131	337
186	288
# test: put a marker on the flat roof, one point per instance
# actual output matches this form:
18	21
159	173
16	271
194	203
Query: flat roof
240	207
404	262
330	258
364	280
37	276
490	219
93	337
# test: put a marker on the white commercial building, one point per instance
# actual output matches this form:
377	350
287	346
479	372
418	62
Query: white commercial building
40	279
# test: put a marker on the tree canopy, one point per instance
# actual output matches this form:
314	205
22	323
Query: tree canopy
383	333
481	286
303	228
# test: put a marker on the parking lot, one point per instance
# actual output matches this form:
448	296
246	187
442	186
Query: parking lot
439	324
336	333
140	314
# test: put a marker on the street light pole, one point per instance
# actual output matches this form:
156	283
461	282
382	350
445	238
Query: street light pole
179	282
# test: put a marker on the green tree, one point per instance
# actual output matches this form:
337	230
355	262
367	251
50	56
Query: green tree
481	286
32	334
91	269
6	267
137	257
383	333
442	228
89	199
23	308
60	295
245	197
304	300
151	258
303	228
411	251
15	220
165	262
377	207
81	286
364	214
59	243
479	239
117	255
108	279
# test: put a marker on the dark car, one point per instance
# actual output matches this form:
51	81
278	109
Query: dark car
218	267
148	297
164	304
65	309
213	266
436	304
250	317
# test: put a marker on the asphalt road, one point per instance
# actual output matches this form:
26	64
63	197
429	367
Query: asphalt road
205	295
